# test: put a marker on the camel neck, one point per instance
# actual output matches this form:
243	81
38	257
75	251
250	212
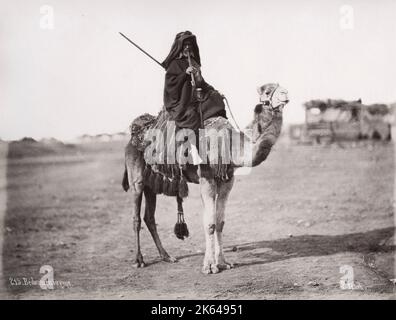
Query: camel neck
262	146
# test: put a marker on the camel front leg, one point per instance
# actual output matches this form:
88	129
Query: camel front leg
208	196
137	203
224	189
134	163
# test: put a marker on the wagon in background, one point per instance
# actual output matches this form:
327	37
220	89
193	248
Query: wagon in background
340	120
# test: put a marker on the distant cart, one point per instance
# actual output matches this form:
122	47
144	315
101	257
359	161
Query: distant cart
340	120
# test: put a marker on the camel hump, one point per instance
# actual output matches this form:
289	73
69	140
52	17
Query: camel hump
142	122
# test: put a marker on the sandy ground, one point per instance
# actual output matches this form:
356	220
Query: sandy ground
290	226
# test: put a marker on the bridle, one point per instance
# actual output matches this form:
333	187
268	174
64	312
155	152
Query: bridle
272	94
272	110
269	101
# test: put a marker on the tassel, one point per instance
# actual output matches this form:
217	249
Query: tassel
173	187
177	231
146	174
125	182
166	186
151	180
158	182
183	188
184	230
181	230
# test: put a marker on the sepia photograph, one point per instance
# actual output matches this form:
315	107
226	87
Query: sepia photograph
216	151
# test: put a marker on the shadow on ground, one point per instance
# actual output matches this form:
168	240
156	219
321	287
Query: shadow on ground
312	245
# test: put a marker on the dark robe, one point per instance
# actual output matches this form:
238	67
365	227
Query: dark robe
179	99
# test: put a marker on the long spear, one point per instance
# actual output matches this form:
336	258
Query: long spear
147	54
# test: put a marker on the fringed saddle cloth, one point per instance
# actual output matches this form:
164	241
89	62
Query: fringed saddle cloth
169	179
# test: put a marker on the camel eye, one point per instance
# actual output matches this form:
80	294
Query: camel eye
267	92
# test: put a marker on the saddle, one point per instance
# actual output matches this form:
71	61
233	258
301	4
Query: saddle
170	178
162	178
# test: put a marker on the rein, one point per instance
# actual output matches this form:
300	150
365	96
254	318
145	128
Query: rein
229	109
272	94
269	100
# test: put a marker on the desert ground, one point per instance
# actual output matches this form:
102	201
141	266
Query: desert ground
292	226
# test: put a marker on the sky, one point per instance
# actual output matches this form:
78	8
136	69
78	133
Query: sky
77	75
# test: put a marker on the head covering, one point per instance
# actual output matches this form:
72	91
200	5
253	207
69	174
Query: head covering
177	47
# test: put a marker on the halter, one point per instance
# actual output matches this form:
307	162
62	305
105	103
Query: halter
269	101
272	94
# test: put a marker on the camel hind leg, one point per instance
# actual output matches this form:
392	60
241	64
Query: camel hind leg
149	219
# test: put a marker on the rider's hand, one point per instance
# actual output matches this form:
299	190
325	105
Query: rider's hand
190	70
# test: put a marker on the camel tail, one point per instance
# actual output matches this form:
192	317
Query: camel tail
125	182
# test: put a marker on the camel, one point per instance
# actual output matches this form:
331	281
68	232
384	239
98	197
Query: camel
265	129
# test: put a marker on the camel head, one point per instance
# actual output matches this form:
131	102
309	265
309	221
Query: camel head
273	98
272	94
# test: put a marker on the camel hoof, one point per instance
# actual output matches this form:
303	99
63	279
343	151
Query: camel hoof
206	269
169	259
139	263
226	266
214	269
